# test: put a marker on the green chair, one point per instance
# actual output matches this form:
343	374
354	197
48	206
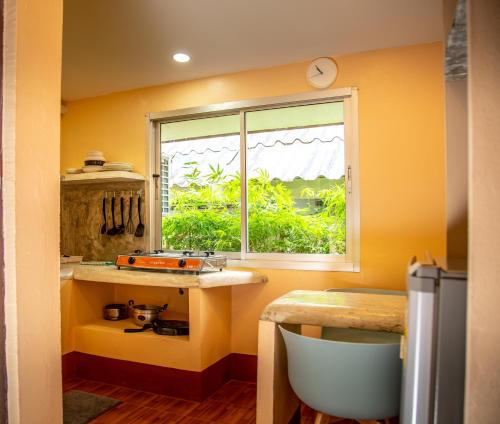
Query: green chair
347	373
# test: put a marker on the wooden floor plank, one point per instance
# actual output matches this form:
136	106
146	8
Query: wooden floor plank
233	403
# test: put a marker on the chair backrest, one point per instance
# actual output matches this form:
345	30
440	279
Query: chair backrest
346	379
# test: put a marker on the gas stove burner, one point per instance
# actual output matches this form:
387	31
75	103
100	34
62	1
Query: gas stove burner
186	261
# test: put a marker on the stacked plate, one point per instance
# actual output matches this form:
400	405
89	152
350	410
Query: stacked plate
74	171
117	166
94	161
93	168
95	155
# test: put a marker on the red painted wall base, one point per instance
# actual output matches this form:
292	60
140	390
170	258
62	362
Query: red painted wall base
184	384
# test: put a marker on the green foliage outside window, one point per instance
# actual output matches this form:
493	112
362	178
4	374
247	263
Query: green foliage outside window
206	215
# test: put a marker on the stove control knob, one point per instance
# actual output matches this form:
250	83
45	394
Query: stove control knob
182	263
131	260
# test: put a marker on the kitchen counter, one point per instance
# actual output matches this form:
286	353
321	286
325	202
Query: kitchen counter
66	272
205	303
339	309
110	274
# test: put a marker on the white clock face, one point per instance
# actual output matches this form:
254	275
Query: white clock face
322	72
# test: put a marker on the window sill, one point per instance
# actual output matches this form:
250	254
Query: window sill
296	265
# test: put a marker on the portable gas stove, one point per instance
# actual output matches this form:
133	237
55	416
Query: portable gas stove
186	261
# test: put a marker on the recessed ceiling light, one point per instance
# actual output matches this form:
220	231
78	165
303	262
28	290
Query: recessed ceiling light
181	57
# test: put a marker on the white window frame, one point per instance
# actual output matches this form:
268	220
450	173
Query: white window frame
350	262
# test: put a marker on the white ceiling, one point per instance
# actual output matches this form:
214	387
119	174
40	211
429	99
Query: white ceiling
114	45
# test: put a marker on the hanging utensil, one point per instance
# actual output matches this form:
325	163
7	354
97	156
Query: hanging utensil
139	231
113	230
104	225
121	227
130	223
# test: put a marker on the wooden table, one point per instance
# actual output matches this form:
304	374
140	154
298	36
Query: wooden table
276	402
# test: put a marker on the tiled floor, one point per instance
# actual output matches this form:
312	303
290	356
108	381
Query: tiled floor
233	403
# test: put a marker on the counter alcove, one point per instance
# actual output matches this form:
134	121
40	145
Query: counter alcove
185	366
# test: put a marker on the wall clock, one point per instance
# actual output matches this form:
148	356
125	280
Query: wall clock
322	72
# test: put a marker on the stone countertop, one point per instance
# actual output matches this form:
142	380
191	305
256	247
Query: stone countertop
378	312
66	272
110	274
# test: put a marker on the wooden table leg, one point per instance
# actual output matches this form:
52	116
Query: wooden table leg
276	401
320	418
326	419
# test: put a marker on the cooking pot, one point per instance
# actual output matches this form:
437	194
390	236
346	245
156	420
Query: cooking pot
145	314
164	328
115	311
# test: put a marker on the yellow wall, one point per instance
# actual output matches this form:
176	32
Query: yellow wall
401	135
30	190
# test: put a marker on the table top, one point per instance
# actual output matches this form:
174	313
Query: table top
377	312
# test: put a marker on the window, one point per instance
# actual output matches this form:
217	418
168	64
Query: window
268	183
295	179
200	187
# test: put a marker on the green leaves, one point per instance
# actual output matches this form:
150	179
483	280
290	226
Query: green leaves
216	175
192	176
202	230
206	215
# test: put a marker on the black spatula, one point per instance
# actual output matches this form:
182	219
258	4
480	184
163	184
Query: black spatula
113	230
130	224
121	227
139	231
104	225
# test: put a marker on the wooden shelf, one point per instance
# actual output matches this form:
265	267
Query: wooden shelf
117	327
107	339
101	177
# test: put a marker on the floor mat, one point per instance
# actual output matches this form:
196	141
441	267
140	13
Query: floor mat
82	407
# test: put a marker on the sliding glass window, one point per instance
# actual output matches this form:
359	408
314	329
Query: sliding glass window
268	182
200	184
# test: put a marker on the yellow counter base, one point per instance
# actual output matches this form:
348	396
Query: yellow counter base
208	313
